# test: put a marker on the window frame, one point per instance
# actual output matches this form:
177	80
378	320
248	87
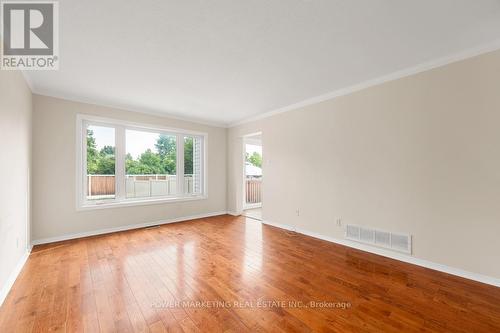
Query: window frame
120	127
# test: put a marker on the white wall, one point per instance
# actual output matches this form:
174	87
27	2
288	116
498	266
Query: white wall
15	154
419	155
54	203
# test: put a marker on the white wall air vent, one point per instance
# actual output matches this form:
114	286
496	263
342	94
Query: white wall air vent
389	240
352	232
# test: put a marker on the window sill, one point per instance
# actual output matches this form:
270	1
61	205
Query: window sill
132	202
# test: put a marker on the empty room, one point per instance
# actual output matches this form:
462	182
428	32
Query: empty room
250	166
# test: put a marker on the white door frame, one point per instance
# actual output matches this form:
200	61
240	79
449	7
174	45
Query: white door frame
243	158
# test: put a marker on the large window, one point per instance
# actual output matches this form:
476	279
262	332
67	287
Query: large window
124	164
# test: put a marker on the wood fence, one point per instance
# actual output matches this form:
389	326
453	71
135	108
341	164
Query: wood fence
253	190
100	185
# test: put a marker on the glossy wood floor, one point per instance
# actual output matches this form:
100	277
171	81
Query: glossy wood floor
130	282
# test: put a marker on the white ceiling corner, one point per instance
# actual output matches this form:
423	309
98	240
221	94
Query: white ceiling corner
220	62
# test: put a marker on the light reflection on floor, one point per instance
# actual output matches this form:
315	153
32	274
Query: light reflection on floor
253	248
255	213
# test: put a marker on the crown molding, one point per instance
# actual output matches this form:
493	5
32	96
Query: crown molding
150	112
29	82
440	62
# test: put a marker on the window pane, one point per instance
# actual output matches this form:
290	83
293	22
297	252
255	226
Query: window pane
100	163
192	165
150	164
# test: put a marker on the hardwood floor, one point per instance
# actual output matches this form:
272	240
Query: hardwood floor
135	281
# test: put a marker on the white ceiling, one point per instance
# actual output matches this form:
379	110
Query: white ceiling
222	61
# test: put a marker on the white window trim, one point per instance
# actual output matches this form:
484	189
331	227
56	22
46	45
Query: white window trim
120	200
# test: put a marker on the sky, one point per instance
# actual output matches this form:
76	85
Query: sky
137	142
250	149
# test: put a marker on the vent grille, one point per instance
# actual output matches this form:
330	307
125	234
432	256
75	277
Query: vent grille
400	242
389	240
383	238
352	232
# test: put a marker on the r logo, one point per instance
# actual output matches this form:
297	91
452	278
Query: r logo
28	28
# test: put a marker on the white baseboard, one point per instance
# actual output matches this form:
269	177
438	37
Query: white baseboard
233	213
394	255
379	251
278	225
13	276
123	228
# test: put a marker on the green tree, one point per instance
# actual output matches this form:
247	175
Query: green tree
99	162
105	162
132	167
163	161
91	153
107	150
255	159
166	146
150	163
106	165
188	155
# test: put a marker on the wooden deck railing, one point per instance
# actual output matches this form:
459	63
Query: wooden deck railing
137	185
253	190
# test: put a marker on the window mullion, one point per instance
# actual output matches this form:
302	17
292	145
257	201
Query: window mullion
180	164
120	155
83	158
